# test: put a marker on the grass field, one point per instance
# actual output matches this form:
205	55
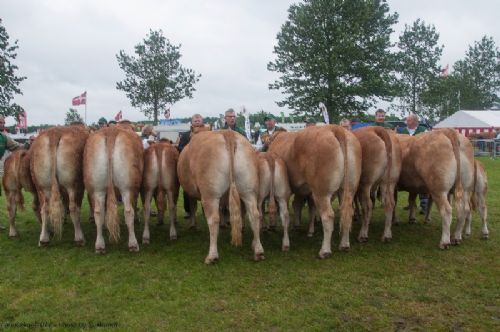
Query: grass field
408	284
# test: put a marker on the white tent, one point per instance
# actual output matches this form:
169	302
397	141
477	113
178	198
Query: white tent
470	122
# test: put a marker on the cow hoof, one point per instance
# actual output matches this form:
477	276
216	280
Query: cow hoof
323	255
363	239
259	257
13	236
485	236
100	251
456	242
144	241
444	246
386	239
345	248
309	234
285	248
80	243
133	248
173	237
412	221
43	243
211	260
466	236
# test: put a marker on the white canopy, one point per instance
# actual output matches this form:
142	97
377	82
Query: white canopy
471	119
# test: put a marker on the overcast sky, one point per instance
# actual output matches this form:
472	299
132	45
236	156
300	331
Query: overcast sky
68	47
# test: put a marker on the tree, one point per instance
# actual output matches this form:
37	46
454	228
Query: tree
9	82
155	77
418	64
479	75
442	96
72	115
335	52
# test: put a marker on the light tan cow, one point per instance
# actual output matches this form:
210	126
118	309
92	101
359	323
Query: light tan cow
379	171
16	177
113	158
438	163
273	183
477	201
160	178
55	165
213	165
321	161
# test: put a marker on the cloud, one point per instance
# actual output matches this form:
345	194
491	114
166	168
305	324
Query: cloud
67	47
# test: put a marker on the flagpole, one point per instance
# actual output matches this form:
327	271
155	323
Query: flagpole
85	107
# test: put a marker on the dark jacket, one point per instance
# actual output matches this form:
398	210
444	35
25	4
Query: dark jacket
184	139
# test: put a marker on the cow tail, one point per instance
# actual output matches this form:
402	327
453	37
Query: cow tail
19	195
234	197
112	221
458	192
385	136
56	209
272	202
473	201
160	194
346	210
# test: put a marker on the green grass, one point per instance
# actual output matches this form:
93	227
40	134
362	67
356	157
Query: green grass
408	284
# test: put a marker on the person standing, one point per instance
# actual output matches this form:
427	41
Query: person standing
412	129
230	122
267	136
380	119
346	124
6	143
184	138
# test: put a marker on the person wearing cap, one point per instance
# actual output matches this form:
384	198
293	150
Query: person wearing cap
380	119
271	129
230	122
102	122
148	136
310	122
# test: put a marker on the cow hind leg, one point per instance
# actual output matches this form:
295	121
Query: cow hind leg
99	200
389	206
172	214
211	208
11	208
445	210
285	220
483	212
367	207
253	214
75	201
312	217
193	205
326	213
129	212
44	211
428	211
298	204
147	213
463	212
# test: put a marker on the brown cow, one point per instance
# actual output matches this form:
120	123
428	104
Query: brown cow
17	176
113	158
273	183
56	164
321	161
434	163
379	171
160	177
213	165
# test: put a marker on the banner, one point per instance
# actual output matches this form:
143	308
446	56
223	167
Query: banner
323	109
246	114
